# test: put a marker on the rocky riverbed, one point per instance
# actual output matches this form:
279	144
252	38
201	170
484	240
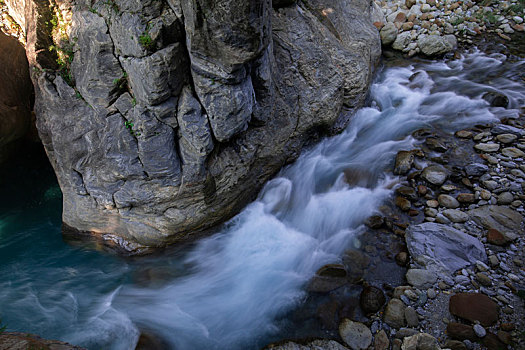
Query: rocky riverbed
433	28
459	209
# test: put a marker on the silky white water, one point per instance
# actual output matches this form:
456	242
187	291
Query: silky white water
227	291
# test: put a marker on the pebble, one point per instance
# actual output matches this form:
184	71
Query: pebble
479	330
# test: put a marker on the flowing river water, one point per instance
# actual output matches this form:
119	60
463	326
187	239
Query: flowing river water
231	290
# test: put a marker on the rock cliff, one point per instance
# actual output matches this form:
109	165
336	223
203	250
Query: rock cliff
163	118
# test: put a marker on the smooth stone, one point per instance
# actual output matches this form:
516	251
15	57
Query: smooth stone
476	169
505	198
403	203
395	313
355	334
466	198
448	201
455	215
474	307
421	278
411	317
506	138
487	147
483	279
371	299
381	341
479	330
434	174
420	341
404	162
507	129
513	152
460	331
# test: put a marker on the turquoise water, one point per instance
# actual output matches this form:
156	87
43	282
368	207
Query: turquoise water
231	290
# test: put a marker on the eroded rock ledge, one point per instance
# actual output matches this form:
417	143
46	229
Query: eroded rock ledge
163	118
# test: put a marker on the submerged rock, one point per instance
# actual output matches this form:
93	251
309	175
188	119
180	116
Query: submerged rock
371	299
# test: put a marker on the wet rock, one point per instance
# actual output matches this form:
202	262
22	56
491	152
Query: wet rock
448	201
464	134
420	341
24	341
381	341
501	218
483	279
505	198
513	152
434	174
314	345
407	192
496	99
402	258
355	334
436	144
435	45
495	237
492	342
328	314
332	270
374	221
487	147
371	299
150	341
395	313
455	215
411	317
507	129
466	198
421	278
441	248
507	138
505	337
403	203
474	307
460	331
476	169
455	345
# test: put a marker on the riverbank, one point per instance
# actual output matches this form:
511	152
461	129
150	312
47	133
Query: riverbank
433	28
459	209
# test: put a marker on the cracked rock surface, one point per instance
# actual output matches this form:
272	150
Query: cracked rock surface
169	115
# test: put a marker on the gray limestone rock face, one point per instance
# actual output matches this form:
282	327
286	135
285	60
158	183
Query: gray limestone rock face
441	248
178	111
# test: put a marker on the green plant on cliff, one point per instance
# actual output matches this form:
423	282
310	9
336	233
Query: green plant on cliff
129	125
3	327
146	41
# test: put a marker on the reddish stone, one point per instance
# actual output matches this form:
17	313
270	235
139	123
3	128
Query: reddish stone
379	25
460	331
496	237
519	27
492	342
505	337
400	18
507	327
422	190
474	307
454	6
411	17
407	26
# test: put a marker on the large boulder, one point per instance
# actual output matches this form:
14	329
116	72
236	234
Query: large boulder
15	93
502	218
164	118
441	248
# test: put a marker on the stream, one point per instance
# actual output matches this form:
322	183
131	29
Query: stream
234	289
